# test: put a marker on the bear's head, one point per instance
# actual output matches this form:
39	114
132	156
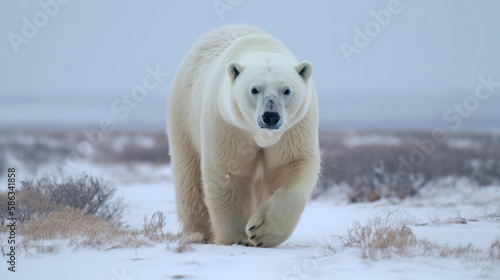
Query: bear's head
269	94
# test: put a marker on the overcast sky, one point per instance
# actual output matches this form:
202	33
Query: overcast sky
377	64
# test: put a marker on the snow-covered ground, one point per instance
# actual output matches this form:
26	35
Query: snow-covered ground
437	216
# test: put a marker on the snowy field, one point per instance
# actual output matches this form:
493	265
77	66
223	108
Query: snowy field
443	222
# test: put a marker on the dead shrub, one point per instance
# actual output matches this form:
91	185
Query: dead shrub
93	195
186	239
495	249
152	229
33	154
40	197
389	235
30	203
380	238
72	227
376	170
69	224
428	248
82	212
132	150
33	149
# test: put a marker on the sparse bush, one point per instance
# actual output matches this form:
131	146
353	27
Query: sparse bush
31	203
72	227
373	170
495	249
427	248
381	237
390	234
133	149
46	225
186	239
70	224
153	229
95	196
39	197
33	149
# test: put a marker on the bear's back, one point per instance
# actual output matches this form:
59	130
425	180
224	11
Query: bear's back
211	46
201	56
189	85
214	43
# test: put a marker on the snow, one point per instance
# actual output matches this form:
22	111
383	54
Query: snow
371	139
463	144
303	256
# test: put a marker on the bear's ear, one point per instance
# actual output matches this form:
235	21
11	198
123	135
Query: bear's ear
234	69
304	69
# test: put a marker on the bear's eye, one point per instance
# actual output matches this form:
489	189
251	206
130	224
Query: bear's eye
286	92
255	91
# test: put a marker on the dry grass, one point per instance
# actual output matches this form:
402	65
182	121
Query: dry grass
372	169
451	220
30	203
185	240
153	230
381	237
495	249
81	212
39	197
93	195
389	235
34	149
133	147
70	227
428	248
369	168
494	215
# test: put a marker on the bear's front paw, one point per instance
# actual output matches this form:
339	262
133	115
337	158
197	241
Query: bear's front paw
267	230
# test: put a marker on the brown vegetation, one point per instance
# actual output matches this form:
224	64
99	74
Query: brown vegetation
375	170
81	212
390	234
35	149
371	169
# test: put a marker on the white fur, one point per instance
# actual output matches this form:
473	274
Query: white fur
231	175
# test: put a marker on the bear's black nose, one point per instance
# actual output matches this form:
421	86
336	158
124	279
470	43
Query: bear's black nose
271	118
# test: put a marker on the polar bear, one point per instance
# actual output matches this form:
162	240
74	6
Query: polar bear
242	125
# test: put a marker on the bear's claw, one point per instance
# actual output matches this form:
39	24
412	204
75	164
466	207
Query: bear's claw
251	228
